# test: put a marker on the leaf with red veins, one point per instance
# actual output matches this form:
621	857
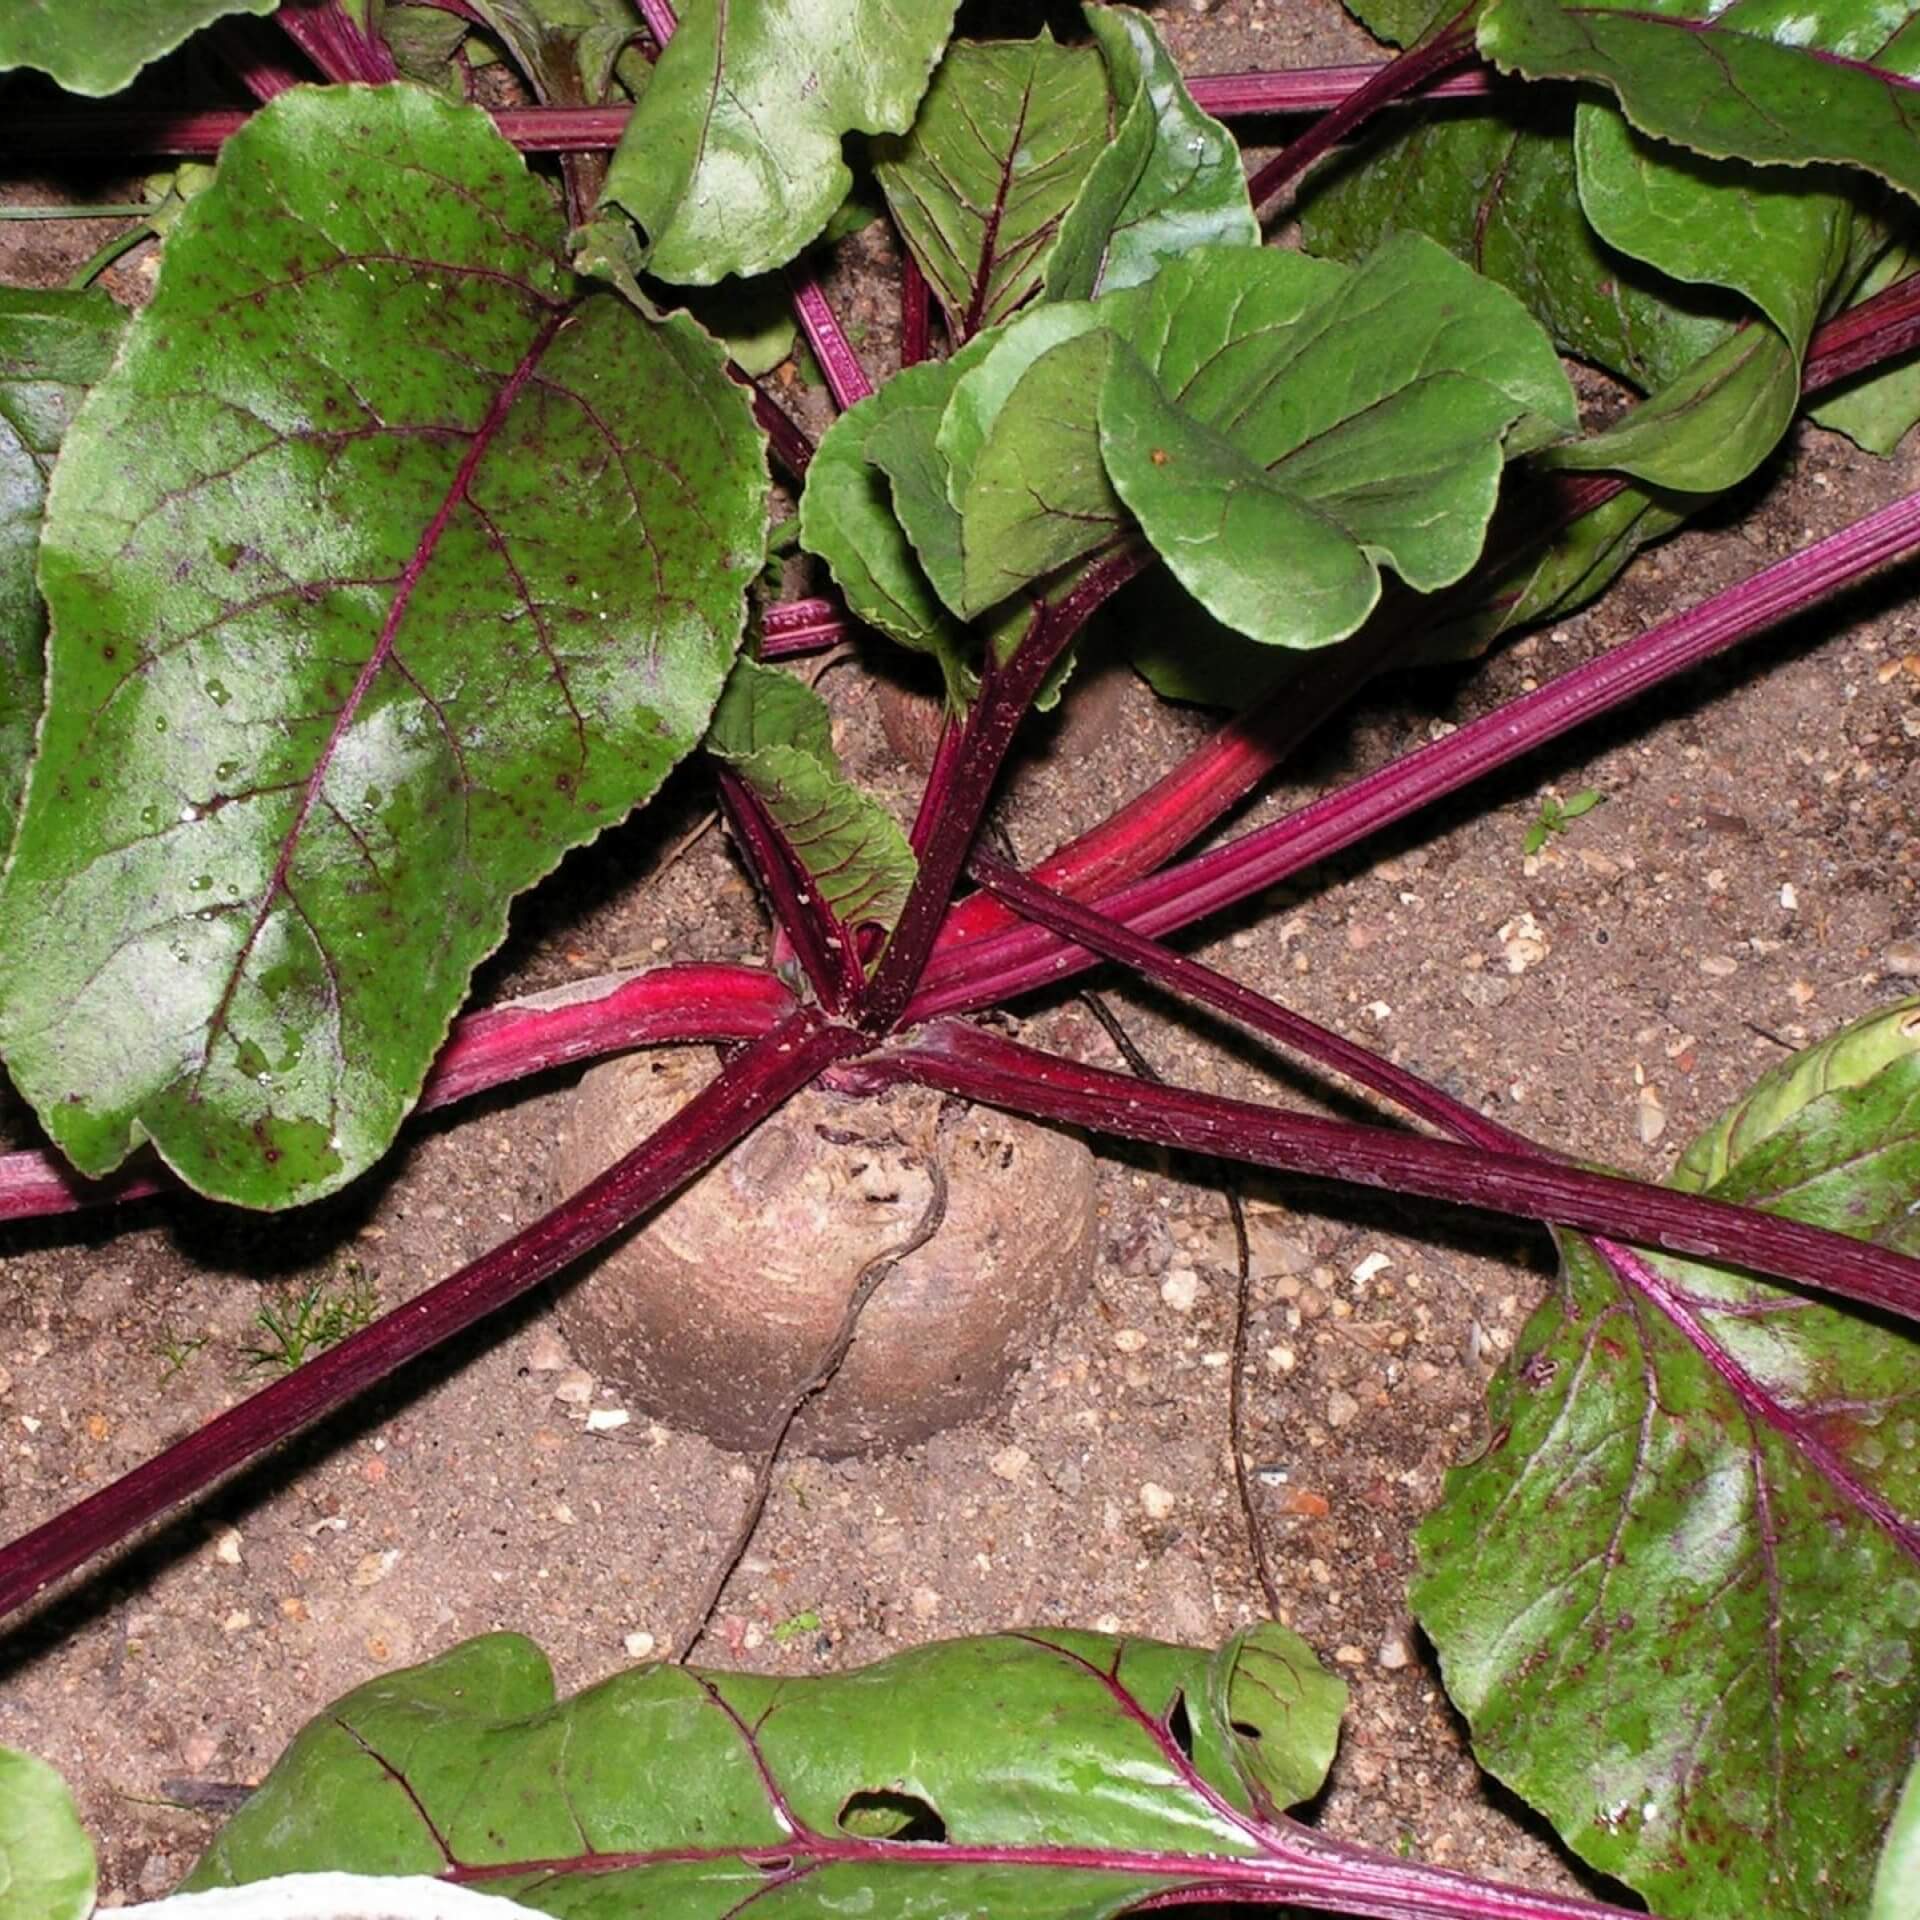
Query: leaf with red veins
382	570
1678	1595
1004	138
1051	1773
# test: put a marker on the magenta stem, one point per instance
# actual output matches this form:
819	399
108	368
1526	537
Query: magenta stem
1420	70
749	1087
979	1065
802	626
816	937
588	129
1207	985
846	377
956	798
682	1003
326	34
988	971
916	310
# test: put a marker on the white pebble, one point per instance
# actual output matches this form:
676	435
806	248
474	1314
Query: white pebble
1180	1289
1157	1500
639	1646
606	1419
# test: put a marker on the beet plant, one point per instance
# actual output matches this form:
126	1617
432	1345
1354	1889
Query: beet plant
413	534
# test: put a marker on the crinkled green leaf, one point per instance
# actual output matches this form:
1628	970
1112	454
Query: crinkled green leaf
1777	82
423	41
778	736
1896	1885
97	46
1171	178
1004	138
1678	1596
382	570
46	1858
851	519
53	347
1287	427
731	162
1071	1775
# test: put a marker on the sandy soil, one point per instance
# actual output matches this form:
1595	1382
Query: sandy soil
1751	882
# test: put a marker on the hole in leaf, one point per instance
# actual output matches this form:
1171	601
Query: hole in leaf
889	1814
1246	1729
1180	1725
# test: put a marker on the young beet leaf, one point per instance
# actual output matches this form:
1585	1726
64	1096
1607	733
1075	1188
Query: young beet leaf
1002	143
1677	1596
731	162
350	642
1171	179
53	347
1282	428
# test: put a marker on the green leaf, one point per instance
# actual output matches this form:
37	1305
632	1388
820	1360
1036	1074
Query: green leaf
1842	1063
423	42
1004	138
1402	23
1678	1595
778	736
1266	1681
1896	1886
850	518
1497	188
1878	409
46	1859
350	643
97	46
1771	81
1023	456
1287	427
53	347
814	1793
731	162
752	319
566	48
1708	429
1171	178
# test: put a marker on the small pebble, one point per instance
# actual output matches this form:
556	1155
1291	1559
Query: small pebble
1130	1340
1650	1121
238	1621
1157	1501
1719	966
1281	1359
1350	1656
607	1419
1010	1463
639	1646
924	1602
226	1546
1181	1289
1394	1652
1342	1407
1903	957
547	1352
575	1387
